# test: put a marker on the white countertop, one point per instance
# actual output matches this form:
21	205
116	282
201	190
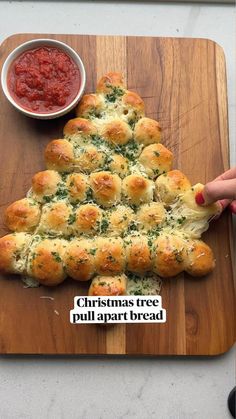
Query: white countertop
104	388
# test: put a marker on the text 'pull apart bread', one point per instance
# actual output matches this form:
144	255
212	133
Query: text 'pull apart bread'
109	208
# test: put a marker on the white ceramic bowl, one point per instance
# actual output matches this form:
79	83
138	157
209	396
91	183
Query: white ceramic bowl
36	43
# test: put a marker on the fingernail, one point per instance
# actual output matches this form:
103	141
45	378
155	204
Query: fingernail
199	198
232	208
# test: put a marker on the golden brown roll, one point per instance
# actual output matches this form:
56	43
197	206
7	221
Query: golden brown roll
106	188
200	258
150	216
119	165
133	105
57	219
170	185
170	255
79	259
91	105
79	128
116	132
137	189
108	286
59	155
138	254
110	81
78	186
13	252
119	219
89	159
147	131
156	159
45	261
109	256
88	219
23	215
45	185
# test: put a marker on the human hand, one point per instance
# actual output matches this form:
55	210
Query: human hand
222	189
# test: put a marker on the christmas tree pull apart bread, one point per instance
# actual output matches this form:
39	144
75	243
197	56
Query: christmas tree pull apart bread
109	208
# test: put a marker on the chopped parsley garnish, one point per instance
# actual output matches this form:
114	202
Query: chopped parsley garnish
47	198
108	160
137	292
96	139
61	193
71	219
89	194
116	92
64	176
181	220
111	258
129	150
104	225
92	251
56	256
132	227
178	258
149	242
132	123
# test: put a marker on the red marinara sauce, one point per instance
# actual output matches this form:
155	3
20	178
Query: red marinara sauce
43	80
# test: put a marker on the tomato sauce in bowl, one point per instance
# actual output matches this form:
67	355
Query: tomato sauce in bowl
43	80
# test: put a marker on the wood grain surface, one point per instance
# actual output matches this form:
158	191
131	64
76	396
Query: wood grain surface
183	84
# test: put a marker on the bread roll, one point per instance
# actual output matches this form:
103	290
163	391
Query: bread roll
133	105
89	159
23	215
156	159
119	220
78	187
109	256
87	219
45	185
147	131
200	258
106	188
170	185
150	216
91	105
45	261
170	255
137	189
59	155
79	259
138	254
110	81
116	132
13	252
108	286
119	165
57	219
79	129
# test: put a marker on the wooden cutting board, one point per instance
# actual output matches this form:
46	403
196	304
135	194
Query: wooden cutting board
183	84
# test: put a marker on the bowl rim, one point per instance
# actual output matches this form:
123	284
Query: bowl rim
30	45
